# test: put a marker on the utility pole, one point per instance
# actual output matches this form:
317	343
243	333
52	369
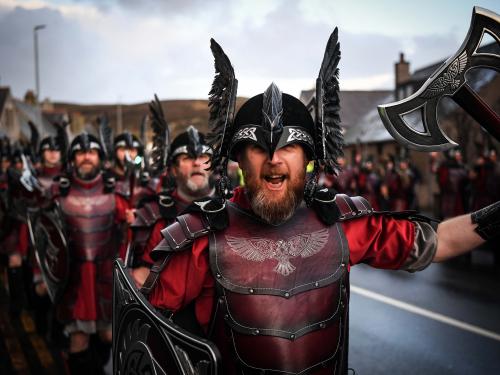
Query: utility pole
37	77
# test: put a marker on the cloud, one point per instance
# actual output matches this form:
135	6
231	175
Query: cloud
125	50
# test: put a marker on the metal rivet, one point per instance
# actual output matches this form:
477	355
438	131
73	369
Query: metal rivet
287	294
342	265
221	300
316	284
322	325
226	316
292	336
218	275
256	332
251	290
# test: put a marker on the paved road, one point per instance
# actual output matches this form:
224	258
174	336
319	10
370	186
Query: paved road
387	338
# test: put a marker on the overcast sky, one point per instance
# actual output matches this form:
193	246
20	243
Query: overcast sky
108	51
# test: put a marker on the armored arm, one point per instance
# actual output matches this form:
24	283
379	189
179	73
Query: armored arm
462	234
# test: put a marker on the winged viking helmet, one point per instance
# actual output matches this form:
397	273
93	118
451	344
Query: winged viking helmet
274	119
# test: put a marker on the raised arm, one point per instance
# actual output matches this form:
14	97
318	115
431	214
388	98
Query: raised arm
462	234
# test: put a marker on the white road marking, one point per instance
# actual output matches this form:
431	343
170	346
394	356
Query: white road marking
427	313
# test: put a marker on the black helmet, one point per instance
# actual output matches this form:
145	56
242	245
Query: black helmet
273	120
85	142
48	143
5	148
128	140
190	142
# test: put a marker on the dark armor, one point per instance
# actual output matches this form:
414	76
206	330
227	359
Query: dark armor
297	299
49	241
146	342
266	321
163	207
488	221
89	216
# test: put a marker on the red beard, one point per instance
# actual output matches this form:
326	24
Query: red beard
272	208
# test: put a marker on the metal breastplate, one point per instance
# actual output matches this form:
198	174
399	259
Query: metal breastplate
282	293
89	216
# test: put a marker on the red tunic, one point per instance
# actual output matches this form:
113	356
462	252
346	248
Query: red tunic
156	237
89	291
377	240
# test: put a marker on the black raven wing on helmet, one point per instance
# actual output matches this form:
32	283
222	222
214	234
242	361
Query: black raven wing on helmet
222	102
161	137
106	136
35	138
328	137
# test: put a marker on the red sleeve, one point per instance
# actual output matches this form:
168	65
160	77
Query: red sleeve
186	278
122	206
23	243
380	241
153	240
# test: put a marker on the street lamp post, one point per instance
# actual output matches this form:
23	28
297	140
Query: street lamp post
37	78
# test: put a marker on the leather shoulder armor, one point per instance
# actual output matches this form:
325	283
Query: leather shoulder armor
147	215
352	207
332	207
181	234
122	188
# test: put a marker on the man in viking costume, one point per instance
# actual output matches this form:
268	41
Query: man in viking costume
49	154
132	179
278	263
186	177
15	240
268	269
91	214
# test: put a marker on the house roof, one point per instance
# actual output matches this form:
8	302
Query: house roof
27	112
366	125
369	127
421	75
353	104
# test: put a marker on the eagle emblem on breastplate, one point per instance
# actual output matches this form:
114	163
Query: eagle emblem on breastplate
258	249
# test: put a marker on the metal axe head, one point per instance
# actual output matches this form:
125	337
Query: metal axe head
445	81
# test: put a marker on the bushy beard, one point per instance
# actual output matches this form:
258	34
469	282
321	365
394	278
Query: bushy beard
271	209
192	189
87	175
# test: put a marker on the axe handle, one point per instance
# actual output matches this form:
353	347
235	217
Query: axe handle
472	103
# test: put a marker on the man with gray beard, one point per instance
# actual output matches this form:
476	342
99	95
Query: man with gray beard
187	179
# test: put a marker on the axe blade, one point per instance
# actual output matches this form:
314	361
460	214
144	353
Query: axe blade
447	80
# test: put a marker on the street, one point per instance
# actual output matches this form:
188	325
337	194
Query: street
459	332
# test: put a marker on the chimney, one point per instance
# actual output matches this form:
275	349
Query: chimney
402	69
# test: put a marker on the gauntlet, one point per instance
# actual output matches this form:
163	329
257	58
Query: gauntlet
488	221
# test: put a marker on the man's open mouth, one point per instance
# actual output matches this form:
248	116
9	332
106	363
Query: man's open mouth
197	174
275	178
275	181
